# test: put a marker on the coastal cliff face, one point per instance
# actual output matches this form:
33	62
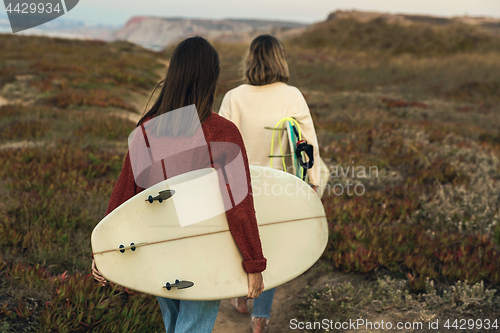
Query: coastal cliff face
156	32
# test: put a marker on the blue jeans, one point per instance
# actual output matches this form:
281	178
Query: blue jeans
262	304
188	316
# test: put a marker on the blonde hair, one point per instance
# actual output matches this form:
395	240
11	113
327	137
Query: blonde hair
265	62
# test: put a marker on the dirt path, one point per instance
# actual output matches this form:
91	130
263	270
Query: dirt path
20	145
289	295
286	298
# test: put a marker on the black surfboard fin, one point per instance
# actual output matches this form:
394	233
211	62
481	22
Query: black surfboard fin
179	285
162	195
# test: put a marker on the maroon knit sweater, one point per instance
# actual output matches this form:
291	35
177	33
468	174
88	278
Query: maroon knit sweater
241	218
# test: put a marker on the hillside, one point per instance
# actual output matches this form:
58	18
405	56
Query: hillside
157	32
398	34
364	17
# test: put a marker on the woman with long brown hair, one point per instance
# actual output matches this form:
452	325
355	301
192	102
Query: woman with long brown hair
264	100
191	79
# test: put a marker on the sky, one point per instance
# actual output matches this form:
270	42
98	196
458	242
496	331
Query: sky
119	11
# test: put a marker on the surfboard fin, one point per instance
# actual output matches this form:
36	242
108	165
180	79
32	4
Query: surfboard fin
132	246
179	285
162	195
122	248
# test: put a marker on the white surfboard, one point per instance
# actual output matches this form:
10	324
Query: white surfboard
143	246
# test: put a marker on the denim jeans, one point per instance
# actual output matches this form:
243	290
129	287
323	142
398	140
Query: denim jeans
262	304
188	316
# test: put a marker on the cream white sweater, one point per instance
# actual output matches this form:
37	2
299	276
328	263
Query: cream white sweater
252	108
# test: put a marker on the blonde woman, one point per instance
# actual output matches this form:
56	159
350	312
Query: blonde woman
262	102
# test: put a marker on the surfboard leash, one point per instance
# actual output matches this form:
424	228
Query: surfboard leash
301	147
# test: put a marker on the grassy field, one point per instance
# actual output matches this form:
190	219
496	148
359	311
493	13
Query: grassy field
420	107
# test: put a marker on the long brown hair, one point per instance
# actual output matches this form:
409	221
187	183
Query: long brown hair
265	61
191	78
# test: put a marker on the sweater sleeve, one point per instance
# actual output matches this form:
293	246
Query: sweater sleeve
309	134
243	226
241	217
125	188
